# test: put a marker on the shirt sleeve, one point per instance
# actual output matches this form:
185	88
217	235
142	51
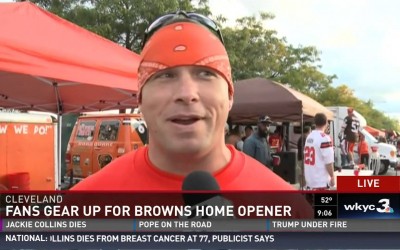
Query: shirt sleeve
344	125
269	156
327	150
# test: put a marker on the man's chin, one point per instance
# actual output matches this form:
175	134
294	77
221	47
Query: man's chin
186	148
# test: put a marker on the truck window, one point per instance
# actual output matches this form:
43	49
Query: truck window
109	130
85	131
368	137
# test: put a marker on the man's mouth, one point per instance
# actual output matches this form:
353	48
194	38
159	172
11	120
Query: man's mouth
185	121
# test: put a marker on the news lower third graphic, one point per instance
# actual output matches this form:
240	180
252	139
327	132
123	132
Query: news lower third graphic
248	220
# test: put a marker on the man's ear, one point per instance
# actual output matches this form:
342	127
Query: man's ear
140	111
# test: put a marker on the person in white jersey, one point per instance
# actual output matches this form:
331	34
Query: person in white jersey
319	156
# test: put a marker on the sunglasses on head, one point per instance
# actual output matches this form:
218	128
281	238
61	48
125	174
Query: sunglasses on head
163	20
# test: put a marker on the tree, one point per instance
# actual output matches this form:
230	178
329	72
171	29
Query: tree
257	52
344	96
121	21
254	50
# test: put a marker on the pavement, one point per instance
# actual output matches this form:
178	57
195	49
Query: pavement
392	172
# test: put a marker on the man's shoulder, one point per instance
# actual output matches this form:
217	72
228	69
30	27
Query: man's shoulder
320	135
322	140
319	139
252	138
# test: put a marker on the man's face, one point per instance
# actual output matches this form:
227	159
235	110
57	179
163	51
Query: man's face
263	128
248	132
185	109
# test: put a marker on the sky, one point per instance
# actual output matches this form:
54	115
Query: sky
359	40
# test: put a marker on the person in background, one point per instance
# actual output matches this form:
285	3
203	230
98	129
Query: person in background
319	156
363	151
248	130
398	147
226	132
275	140
382	139
235	139
300	155
105	133
185	94
256	145
344	159
350	130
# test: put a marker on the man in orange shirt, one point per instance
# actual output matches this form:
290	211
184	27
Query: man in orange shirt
185	94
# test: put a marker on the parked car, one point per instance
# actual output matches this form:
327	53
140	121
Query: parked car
96	140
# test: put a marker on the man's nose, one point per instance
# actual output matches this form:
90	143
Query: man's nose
187	89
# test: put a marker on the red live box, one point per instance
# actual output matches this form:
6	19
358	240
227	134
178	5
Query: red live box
368	184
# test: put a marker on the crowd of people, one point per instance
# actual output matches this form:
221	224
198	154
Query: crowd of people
315	154
258	143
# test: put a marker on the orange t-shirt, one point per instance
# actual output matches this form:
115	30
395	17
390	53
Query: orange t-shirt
363	148
134	171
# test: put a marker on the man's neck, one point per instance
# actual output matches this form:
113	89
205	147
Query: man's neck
261	135
183	164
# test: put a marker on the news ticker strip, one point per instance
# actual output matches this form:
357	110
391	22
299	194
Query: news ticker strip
216	225
200	240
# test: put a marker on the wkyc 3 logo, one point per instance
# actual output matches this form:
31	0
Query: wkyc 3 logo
384	207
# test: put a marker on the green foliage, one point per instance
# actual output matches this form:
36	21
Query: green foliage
257	52
344	96
254	50
122	21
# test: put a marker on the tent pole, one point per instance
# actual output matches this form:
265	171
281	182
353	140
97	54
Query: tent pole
302	161
58	164
57	168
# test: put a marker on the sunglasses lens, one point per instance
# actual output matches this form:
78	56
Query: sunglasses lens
194	16
208	23
204	20
159	22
